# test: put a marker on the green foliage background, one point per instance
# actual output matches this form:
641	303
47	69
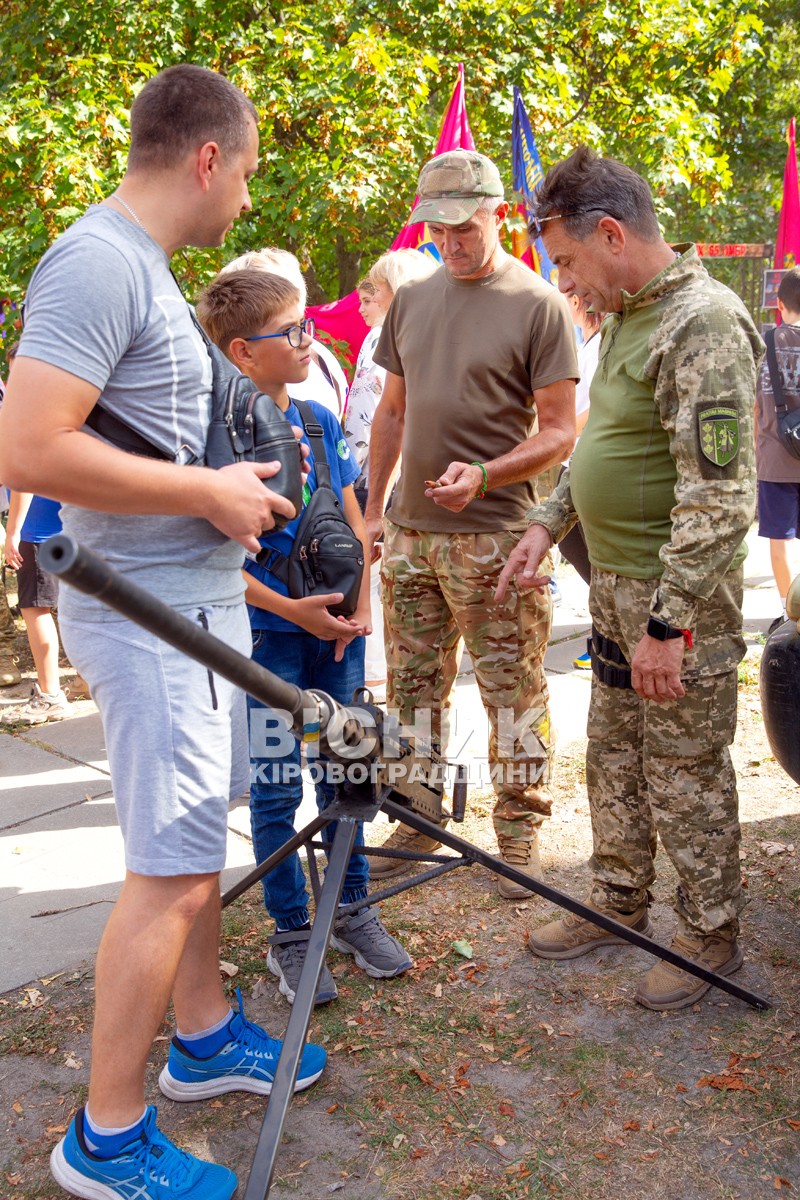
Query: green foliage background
351	93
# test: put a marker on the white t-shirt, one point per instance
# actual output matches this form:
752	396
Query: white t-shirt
364	396
318	385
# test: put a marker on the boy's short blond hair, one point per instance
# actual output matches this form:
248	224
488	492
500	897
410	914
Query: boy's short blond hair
240	303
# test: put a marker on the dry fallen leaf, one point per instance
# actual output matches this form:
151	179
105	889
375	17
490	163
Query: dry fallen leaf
773	848
795	1125
228	969
17	1107
633	1126
71	1061
498	1140
726	1083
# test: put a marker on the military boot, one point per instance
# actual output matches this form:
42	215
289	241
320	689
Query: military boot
9	671
666	987
403	838
522	853
571	935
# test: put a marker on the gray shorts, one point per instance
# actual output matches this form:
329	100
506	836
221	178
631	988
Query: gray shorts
176	737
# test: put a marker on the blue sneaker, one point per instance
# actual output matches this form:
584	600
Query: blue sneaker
244	1064
149	1168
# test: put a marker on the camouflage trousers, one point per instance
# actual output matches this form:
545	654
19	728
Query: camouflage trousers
437	589
664	770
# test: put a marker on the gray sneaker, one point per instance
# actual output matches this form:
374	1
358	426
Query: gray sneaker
40	708
286	959
375	950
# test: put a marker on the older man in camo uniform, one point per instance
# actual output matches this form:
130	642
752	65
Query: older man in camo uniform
663	483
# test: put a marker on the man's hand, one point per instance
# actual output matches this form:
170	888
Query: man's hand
240	506
374	528
459	485
656	669
523	563
362	618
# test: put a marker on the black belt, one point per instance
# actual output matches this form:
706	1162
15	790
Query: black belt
609	664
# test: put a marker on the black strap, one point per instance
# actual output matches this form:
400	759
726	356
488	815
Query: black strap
609	663
270	559
125	437
776	379
315	431
122	435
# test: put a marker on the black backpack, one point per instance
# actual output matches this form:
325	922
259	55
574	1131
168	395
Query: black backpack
787	419
326	555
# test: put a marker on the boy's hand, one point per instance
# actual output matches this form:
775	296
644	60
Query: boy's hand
311	613
12	554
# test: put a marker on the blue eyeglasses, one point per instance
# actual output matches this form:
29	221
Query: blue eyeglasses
294	334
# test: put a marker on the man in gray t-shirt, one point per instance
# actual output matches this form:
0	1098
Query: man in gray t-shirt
105	321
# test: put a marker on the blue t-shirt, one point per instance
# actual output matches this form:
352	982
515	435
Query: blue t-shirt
344	471
42	520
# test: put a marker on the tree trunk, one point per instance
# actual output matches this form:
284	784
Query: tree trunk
349	265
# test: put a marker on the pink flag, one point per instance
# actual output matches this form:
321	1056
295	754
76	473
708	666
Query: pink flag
455	135
341	319
787	247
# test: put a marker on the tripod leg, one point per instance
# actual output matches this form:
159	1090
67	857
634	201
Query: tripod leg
304	835
261	1173
492	863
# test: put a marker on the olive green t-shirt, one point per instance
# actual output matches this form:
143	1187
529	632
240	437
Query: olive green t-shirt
622	472
472	352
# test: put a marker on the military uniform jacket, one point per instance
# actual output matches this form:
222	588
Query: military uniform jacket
663	477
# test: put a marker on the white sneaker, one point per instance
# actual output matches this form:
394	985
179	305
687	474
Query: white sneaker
40	708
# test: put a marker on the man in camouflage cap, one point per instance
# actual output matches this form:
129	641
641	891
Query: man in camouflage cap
663	483
474	354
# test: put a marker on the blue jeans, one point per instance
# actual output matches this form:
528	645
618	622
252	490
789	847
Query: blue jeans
276	785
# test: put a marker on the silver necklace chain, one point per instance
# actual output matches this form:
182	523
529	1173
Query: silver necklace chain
116	196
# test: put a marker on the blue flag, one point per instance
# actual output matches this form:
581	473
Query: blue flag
528	175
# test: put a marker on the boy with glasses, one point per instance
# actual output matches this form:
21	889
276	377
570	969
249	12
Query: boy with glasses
256	320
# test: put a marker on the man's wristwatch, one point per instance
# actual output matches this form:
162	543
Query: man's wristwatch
663	632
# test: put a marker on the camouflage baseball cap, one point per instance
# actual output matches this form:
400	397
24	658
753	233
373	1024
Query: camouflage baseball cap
452	185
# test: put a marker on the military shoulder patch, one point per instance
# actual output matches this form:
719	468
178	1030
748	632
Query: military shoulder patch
718	428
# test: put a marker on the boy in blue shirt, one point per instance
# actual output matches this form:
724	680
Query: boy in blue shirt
256	320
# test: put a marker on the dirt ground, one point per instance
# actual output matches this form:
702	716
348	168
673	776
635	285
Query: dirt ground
499	1076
